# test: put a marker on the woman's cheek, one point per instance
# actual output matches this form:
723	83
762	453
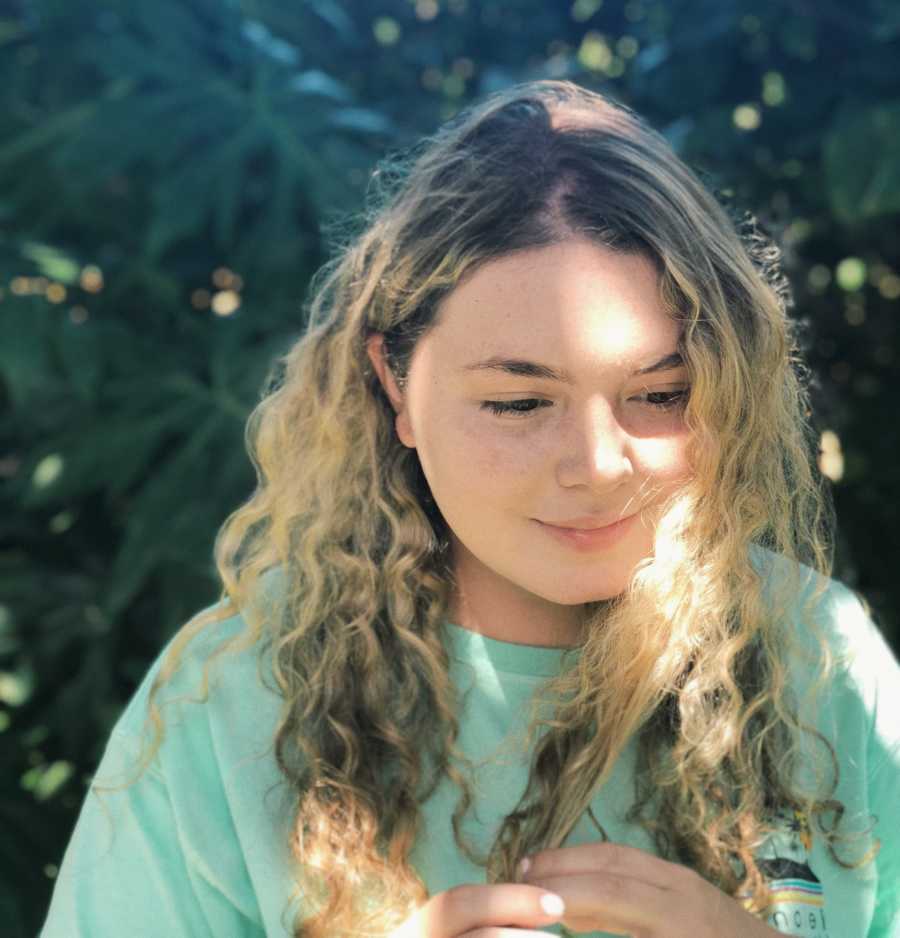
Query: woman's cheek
665	456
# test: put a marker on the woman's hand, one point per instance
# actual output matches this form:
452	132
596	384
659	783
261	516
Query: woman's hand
501	910
614	888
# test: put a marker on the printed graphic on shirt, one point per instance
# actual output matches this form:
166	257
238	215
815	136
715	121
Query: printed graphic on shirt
798	900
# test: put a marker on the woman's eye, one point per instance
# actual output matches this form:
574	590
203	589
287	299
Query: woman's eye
665	399
660	400
513	407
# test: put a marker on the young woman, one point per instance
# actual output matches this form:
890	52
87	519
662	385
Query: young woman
529	625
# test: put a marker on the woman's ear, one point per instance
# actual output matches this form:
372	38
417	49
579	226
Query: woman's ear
375	351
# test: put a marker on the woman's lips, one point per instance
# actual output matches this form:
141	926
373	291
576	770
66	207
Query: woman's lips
592	539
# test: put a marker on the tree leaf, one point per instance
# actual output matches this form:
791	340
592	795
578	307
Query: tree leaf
361	119
316	82
861	155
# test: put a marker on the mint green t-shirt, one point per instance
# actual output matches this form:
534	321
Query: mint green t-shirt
198	846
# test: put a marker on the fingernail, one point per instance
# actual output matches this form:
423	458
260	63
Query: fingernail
524	867
552	904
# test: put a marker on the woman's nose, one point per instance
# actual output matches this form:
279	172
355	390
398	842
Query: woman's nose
597	450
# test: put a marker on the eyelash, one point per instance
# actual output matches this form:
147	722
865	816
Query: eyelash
673	399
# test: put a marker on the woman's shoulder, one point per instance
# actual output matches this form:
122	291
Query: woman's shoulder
804	593
823	616
178	668
212	677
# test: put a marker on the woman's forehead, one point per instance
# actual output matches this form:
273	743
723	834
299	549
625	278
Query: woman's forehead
570	298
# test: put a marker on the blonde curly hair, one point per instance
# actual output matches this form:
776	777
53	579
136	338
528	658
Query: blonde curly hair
691	657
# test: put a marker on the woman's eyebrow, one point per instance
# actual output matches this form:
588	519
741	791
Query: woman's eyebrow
528	369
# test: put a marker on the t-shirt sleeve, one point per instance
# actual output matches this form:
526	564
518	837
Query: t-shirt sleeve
126	870
866	704
877	660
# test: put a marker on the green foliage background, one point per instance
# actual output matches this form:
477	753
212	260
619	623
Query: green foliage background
169	175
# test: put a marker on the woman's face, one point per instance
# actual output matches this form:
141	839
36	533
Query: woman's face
607	440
